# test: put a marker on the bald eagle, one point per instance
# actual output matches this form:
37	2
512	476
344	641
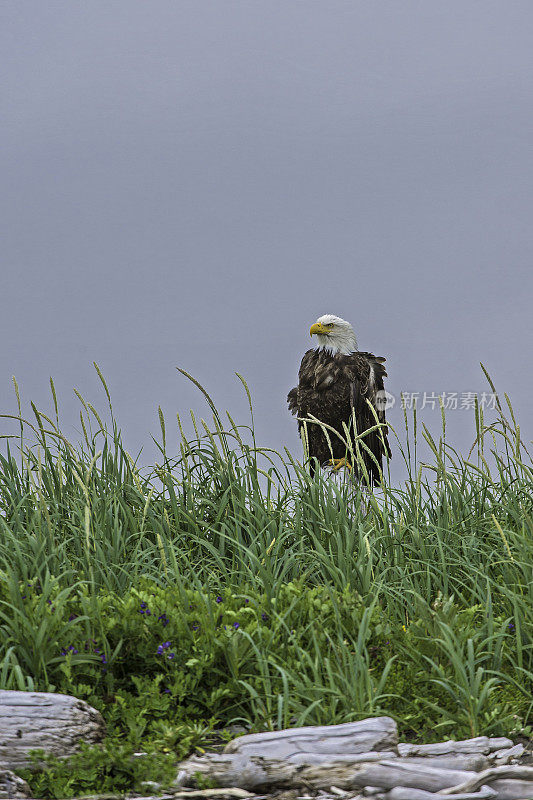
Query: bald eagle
335	383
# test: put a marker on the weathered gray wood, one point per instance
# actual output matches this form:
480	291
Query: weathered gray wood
55	723
481	744
401	772
378	733
404	793
473	762
489	776
501	757
238	794
336	759
358	758
257	773
512	790
228	770
499	790
349	773
12	786
461	761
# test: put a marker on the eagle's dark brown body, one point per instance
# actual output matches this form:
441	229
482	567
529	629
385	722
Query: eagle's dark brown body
330	386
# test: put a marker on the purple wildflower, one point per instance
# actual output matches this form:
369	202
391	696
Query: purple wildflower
218	599
235	625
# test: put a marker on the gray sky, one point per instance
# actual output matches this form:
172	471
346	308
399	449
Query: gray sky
194	183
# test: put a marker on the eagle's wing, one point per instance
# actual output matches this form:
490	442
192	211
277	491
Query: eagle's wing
375	389
366	386
305	376
292	400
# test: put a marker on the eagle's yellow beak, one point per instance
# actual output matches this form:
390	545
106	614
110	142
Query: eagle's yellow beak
318	328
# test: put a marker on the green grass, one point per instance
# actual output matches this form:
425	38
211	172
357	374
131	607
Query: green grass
286	600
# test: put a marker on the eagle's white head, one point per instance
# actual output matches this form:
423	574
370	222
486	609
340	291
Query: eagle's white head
334	334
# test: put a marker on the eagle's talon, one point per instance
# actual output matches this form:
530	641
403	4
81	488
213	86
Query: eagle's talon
337	463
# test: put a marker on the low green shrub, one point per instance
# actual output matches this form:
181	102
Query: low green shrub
167	667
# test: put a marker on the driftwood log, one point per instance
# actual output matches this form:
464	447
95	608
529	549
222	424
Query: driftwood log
363	758
258	774
403	793
495	774
481	744
335	759
375	734
264	774
55	723
12	786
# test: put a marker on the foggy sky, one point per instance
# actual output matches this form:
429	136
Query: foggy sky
193	183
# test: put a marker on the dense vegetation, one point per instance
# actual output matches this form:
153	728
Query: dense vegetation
225	586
